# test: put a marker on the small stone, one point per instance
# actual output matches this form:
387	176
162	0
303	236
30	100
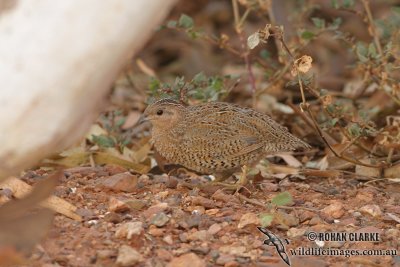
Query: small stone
213	229
332	191
117	205
105	254
160	219
198	210
168	239
128	256
257	243
201	250
3	199
189	259
7	192
155	209
202	201
285	220
183	237
269	187
219	195
365	196
171	182
113	169
155	231
144	179
225	258
349	222
295	232
214	254
129	229
231	264
392	233
201	235
212	212
306	215
113	217
238	251
334	210
163	254
135	204
125	182
174	200
248	218
372	209
86	214
192	221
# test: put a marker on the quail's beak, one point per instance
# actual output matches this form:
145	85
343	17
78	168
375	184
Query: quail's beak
141	120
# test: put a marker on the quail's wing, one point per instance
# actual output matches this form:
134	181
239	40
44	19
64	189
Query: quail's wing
222	137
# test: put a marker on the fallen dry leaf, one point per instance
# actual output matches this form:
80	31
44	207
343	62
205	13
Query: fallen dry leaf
20	189
105	158
248	218
131	119
392	172
302	65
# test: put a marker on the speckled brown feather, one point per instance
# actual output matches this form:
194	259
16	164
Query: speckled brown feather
218	137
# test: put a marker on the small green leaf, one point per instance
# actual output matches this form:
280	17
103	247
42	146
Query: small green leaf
319	23
323	92
154	84
185	21
307	35
348	3
331	108
172	24
120	122
266	219
362	52
354	130
336	23
335	4
282	199
265	54
199	78
103	141
333	121
396	10
216	83
372	51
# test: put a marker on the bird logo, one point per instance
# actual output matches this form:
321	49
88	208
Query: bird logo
274	240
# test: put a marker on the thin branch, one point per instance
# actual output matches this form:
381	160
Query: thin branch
339	155
258	203
247	61
372	27
245	51
235	12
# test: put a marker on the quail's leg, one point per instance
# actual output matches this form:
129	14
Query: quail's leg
239	184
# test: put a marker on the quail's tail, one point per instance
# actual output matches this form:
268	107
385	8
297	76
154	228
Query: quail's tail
288	142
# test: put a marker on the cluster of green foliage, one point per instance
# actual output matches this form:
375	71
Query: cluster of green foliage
200	88
114	137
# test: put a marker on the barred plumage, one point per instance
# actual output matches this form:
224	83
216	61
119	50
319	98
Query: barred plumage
216	137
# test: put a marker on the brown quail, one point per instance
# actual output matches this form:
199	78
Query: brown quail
215	138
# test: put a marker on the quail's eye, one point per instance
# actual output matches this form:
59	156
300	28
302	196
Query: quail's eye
160	112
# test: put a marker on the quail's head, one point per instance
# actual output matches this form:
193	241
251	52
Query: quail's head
163	114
